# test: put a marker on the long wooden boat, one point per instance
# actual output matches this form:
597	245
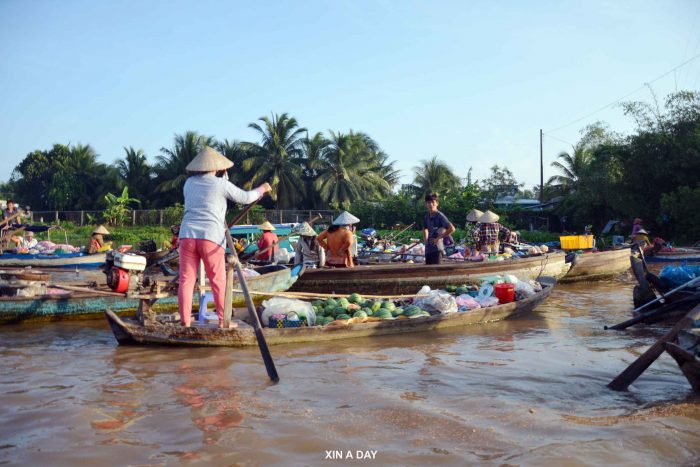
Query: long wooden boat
87	305
403	278
689	255
685	352
598	265
64	260
131	331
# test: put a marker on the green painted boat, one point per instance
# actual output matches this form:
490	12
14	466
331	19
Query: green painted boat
87	305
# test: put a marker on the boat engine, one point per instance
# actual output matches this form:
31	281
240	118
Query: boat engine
124	271
369	235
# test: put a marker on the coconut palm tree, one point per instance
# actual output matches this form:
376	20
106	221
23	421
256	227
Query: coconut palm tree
350	169
572	167
277	158
136	173
93	178
434	176
170	165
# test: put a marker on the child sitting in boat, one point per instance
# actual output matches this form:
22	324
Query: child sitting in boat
25	243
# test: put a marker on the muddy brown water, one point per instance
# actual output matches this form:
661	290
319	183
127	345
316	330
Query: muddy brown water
529	391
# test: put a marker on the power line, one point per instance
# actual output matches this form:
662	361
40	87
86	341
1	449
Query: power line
625	96
559	139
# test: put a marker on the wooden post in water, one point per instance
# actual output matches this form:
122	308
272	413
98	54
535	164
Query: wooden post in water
541	171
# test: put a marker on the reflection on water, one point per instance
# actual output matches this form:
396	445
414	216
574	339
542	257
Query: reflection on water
527	391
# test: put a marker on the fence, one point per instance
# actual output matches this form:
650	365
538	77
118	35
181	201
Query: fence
168	217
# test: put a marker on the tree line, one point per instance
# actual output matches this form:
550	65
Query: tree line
652	173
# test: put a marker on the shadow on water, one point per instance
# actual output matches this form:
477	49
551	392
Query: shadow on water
526	391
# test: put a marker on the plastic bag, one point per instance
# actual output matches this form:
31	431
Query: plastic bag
466	302
288	306
282	256
523	290
437	301
679	275
486	301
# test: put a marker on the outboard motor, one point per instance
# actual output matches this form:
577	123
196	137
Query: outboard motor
124	271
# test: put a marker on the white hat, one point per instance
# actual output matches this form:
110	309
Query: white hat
209	160
489	217
100	230
642	231
266	226
345	218
29	233
306	230
474	215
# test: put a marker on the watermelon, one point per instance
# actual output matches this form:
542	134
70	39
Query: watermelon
343	302
359	314
355	298
396	312
330	303
376	306
388	306
317	303
383	314
368	311
342	316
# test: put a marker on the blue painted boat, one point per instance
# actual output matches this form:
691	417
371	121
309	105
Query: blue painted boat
249	232
88	305
61	260
677	255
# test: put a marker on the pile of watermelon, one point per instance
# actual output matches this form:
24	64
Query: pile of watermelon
354	306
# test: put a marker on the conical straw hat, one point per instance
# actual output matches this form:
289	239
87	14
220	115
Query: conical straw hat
209	160
474	215
306	230
266	226
489	217
345	218
101	230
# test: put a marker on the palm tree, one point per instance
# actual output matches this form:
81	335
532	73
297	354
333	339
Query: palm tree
277	158
94	179
135	172
314	148
170	166
434	176
572	167
350	169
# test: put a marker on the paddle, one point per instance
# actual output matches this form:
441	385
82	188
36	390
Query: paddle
267	358
632	372
257	253
653	314
667	294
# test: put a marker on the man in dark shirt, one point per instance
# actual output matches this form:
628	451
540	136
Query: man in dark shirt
436	226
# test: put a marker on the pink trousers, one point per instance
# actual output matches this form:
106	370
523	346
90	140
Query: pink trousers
191	251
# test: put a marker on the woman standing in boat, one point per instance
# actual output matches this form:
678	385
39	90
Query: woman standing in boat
307	250
471	240
267	245
337	241
202	235
490	233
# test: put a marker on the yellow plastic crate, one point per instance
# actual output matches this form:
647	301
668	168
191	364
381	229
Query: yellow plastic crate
576	242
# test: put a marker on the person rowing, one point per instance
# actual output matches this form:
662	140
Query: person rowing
202	230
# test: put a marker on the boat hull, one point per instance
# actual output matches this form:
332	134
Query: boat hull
83	305
599	265
130	331
69	260
683	352
402	278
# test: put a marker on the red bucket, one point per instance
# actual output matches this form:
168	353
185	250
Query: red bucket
504	292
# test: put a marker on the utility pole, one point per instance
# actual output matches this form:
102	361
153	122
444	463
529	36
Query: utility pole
541	171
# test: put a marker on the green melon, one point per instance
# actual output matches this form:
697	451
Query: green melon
359	314
355	298
342	316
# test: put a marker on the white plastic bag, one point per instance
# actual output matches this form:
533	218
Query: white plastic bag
287	306
523	290
437	301
282	256
466	302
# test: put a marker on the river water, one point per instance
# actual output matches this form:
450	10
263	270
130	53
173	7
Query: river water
529	391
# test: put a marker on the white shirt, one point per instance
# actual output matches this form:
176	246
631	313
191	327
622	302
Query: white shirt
205	206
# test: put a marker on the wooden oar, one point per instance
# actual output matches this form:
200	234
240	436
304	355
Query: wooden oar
264	350
690	283
654	314
393	237
88	290
240	215
632	372
252	255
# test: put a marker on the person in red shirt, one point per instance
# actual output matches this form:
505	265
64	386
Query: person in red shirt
175	229
268	239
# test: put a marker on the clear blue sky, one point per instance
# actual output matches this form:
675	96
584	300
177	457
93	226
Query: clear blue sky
470	82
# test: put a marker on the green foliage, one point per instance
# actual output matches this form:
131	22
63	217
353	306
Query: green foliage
680	216
434	176
117	211
173	214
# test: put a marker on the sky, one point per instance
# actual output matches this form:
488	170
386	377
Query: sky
469	82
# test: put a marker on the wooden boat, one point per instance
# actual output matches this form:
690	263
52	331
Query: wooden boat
91	305
677	255
598	265
132	331
403	278
685	352
64	260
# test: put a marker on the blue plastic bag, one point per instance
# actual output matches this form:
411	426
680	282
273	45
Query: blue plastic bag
679	275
